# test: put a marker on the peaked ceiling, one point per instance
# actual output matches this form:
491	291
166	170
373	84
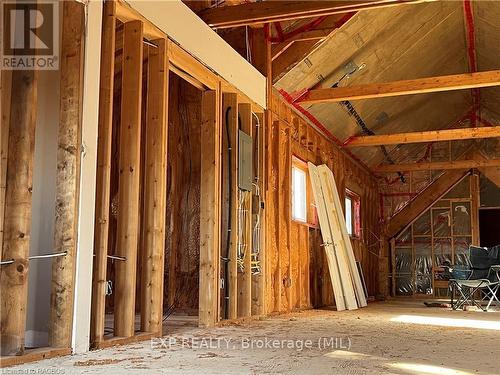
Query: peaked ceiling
405	42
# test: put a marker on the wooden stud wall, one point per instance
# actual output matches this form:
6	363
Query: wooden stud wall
17	222
154	194
19	107
68	174
230	107
129	178
298	274
211	135
103	177
244	278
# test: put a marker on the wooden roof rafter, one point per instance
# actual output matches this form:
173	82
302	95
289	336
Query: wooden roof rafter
404	87
425	136
438	165
276	11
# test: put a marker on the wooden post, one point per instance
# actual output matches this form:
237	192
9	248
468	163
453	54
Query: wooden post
245	277
230	102
5	87
210	208
155	190
103	173
475	204
68	174
284	214
129	179
393	263
17	222
258	281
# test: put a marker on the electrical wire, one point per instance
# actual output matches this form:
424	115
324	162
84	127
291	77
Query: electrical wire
351	111
225	259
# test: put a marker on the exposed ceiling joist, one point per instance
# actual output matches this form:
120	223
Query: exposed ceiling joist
445	165
406	87
427	136
276	11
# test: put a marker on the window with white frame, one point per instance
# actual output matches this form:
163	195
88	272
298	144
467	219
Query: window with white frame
352	213
299	194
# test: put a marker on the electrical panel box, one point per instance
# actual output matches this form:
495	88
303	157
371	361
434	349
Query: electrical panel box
245	161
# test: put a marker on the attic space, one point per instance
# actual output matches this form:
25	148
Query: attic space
250	186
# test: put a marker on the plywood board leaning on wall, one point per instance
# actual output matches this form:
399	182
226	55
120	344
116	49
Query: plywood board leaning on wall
332	196
331	249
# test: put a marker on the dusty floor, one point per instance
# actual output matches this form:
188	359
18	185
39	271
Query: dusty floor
398	337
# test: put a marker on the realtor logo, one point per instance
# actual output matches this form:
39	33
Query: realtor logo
30	35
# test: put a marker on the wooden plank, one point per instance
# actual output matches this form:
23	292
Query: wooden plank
210	208
33	355
104	147
230	111
17	221
423	200
245	277
187	29
67	175
334	206
117	341
405	87
426	136
341	302
88	170
129	180
187	63
277	11
258	280
154	189
475	204
273	198
445	165
392	243
5	88
284	212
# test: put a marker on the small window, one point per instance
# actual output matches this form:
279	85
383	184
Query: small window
299	194
352	214
348	214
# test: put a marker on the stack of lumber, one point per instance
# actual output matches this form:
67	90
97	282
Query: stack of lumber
346	280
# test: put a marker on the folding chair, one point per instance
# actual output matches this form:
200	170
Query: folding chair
482	274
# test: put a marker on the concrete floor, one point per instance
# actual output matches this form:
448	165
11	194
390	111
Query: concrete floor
397	337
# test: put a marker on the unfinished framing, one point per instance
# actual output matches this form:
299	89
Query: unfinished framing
19	122
150	290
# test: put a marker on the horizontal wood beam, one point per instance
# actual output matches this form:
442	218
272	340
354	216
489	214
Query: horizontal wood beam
427	136
445	165
277	11
406	87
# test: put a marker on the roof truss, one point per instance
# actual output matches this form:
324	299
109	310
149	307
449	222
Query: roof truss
426	136
277	11
406	87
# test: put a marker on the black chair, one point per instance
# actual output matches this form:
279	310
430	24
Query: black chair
482	274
